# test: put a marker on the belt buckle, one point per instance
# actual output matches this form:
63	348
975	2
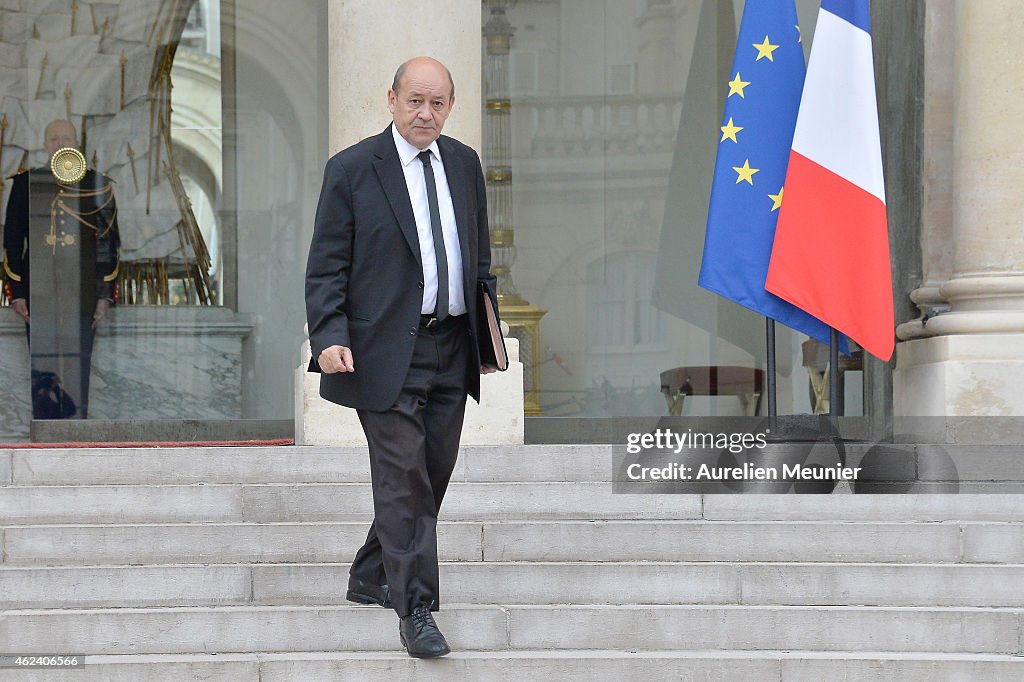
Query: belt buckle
432	322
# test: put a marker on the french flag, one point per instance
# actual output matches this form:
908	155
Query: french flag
830	256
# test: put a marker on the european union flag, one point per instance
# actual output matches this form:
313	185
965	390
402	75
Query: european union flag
767	79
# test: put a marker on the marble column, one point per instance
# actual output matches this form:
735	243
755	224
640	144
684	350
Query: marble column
973	362
368	40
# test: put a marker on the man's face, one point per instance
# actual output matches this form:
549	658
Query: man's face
59	135
422	103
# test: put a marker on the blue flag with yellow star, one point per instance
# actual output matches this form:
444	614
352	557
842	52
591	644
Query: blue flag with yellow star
756	135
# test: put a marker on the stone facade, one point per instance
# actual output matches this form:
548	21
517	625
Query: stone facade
968	360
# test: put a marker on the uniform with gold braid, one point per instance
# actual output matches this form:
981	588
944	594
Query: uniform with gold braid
60	253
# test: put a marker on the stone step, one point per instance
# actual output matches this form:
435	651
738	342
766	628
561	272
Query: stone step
497	628
324	502
212	543
646	582
863	508
473	501
655	583
287	464
595	666
806	541
193	503
969	464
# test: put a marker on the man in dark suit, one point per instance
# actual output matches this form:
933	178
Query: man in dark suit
400	247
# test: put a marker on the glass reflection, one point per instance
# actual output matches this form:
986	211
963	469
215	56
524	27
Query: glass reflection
613	113
204	130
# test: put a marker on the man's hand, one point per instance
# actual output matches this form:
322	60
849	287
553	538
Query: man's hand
336	359
484	369
102	306
21	308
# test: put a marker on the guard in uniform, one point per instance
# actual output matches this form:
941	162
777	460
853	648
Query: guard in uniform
60	266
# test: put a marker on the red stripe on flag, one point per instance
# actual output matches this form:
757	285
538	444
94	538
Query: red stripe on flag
831	255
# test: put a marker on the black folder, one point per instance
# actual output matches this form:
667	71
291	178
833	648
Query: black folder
489	337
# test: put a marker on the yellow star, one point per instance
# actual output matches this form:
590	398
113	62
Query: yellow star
765	49
745	172
799	34
729	131
736	86
777	199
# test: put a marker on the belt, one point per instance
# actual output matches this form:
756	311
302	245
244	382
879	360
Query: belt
431	322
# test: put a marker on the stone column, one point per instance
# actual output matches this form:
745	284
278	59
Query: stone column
936	166
974	363
368	40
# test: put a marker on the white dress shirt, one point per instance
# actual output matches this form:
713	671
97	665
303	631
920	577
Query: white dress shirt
415	181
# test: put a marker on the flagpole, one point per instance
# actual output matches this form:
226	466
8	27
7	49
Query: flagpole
835	398
770	348
754	149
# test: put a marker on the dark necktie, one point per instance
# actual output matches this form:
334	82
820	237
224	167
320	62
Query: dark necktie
441	309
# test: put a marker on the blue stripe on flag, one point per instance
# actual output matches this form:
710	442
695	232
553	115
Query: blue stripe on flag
856	12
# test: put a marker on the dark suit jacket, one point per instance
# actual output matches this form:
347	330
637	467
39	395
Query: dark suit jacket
364	278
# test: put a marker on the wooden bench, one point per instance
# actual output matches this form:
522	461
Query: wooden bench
743	382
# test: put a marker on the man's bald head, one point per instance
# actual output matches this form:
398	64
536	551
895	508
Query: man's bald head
59	134
396	84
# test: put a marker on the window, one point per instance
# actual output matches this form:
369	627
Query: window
214	138
523	75
621	317
620	79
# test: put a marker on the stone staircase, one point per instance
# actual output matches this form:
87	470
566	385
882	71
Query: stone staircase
231	564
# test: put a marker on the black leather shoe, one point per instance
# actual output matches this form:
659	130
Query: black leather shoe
420	635
367	593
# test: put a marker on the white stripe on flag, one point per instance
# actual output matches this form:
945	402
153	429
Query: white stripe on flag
838	122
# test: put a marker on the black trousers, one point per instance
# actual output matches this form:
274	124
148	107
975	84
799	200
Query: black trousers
413	448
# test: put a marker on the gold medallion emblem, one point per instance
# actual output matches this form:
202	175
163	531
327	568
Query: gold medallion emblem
68	165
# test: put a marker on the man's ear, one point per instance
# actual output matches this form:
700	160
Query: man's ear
391	100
